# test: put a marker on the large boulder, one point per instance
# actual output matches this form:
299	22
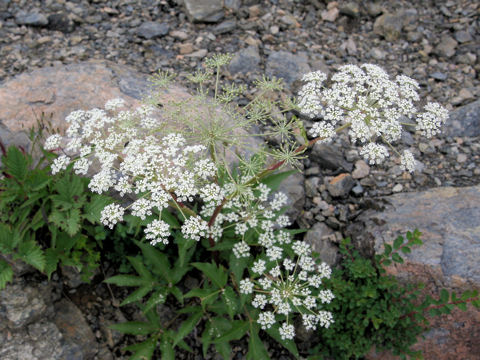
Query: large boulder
464	121
448	219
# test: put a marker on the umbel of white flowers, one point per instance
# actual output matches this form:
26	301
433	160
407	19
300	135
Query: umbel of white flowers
373	108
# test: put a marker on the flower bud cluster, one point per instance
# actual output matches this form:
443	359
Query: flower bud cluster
372	106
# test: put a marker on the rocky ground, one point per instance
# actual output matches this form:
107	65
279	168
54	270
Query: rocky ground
435	42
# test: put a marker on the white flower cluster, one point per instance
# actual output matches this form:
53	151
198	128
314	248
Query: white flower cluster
283	288
372	106
127	151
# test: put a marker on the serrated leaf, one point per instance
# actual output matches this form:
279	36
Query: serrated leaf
137	295
274	181
206	296
213	329
230	299
256	348
143	350
51	261
237	266
134	328
158	297
224	349
239	329
216	275
68	221
158	260
388	249
32	254
6	274
139	267
167	350
186	327
126	280
397	258
406	250
16	163
92	210
398	242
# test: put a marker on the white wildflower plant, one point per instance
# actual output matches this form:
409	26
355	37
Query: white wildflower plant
372	107
207	196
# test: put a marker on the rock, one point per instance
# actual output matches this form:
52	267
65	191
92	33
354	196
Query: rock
288	66
463	36
186	48
152	30
362	169
374	8
180	35
209	11
232	4
378	54
319	238
330	15
357	190
465	121
4	5
437	75
246	60
60	22
30	18
41	341
225	27
75	330
461	158
294	188
409	19
21	304
448	218
350	9
389	26
397	188
328	156
340	185
199	54
446	47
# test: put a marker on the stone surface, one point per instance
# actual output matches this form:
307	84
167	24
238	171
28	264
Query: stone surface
204	10
389	26
320	238
448	219
246	60
446	47
75	330
464	121
290	67
60	22
31	18
340	185
362	169
152	30
330	157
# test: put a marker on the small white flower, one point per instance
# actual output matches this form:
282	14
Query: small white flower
241	250
266	320
407	161
374	153
111	215
274	253
157	231
194	228
259	266
246	286
259	301
60	163
287	331
52	142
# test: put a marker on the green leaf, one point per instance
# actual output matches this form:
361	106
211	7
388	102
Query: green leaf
207	296
16	164
68	221
444	296
274	181
186	327
134	328
170	219
398	242
158	260
213	329
127	280
217	276
51	261
239	329
32	254
256	348
143	350
6	274
406	250
237	266
230	299
168	353
137	295
288	344
388	249
92	209
397	258
139	267
158	297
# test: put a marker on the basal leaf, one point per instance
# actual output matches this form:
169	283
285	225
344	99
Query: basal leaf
16	163
239	329
6	274
137	295
134	328
187	326
217	276
127	280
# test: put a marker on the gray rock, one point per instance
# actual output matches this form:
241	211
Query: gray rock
330	157
4	5
446	47
209	11
463	36
30	18
437	75
21	304
320	239
288	66
389	26
362	169
448	219
374	8
246	60
224	27
465	121
294	188
340	185
75	330
61	22
152	30
232	4
350	9
357	190
311	185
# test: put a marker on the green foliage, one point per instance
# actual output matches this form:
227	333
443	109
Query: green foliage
374	309
47	220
